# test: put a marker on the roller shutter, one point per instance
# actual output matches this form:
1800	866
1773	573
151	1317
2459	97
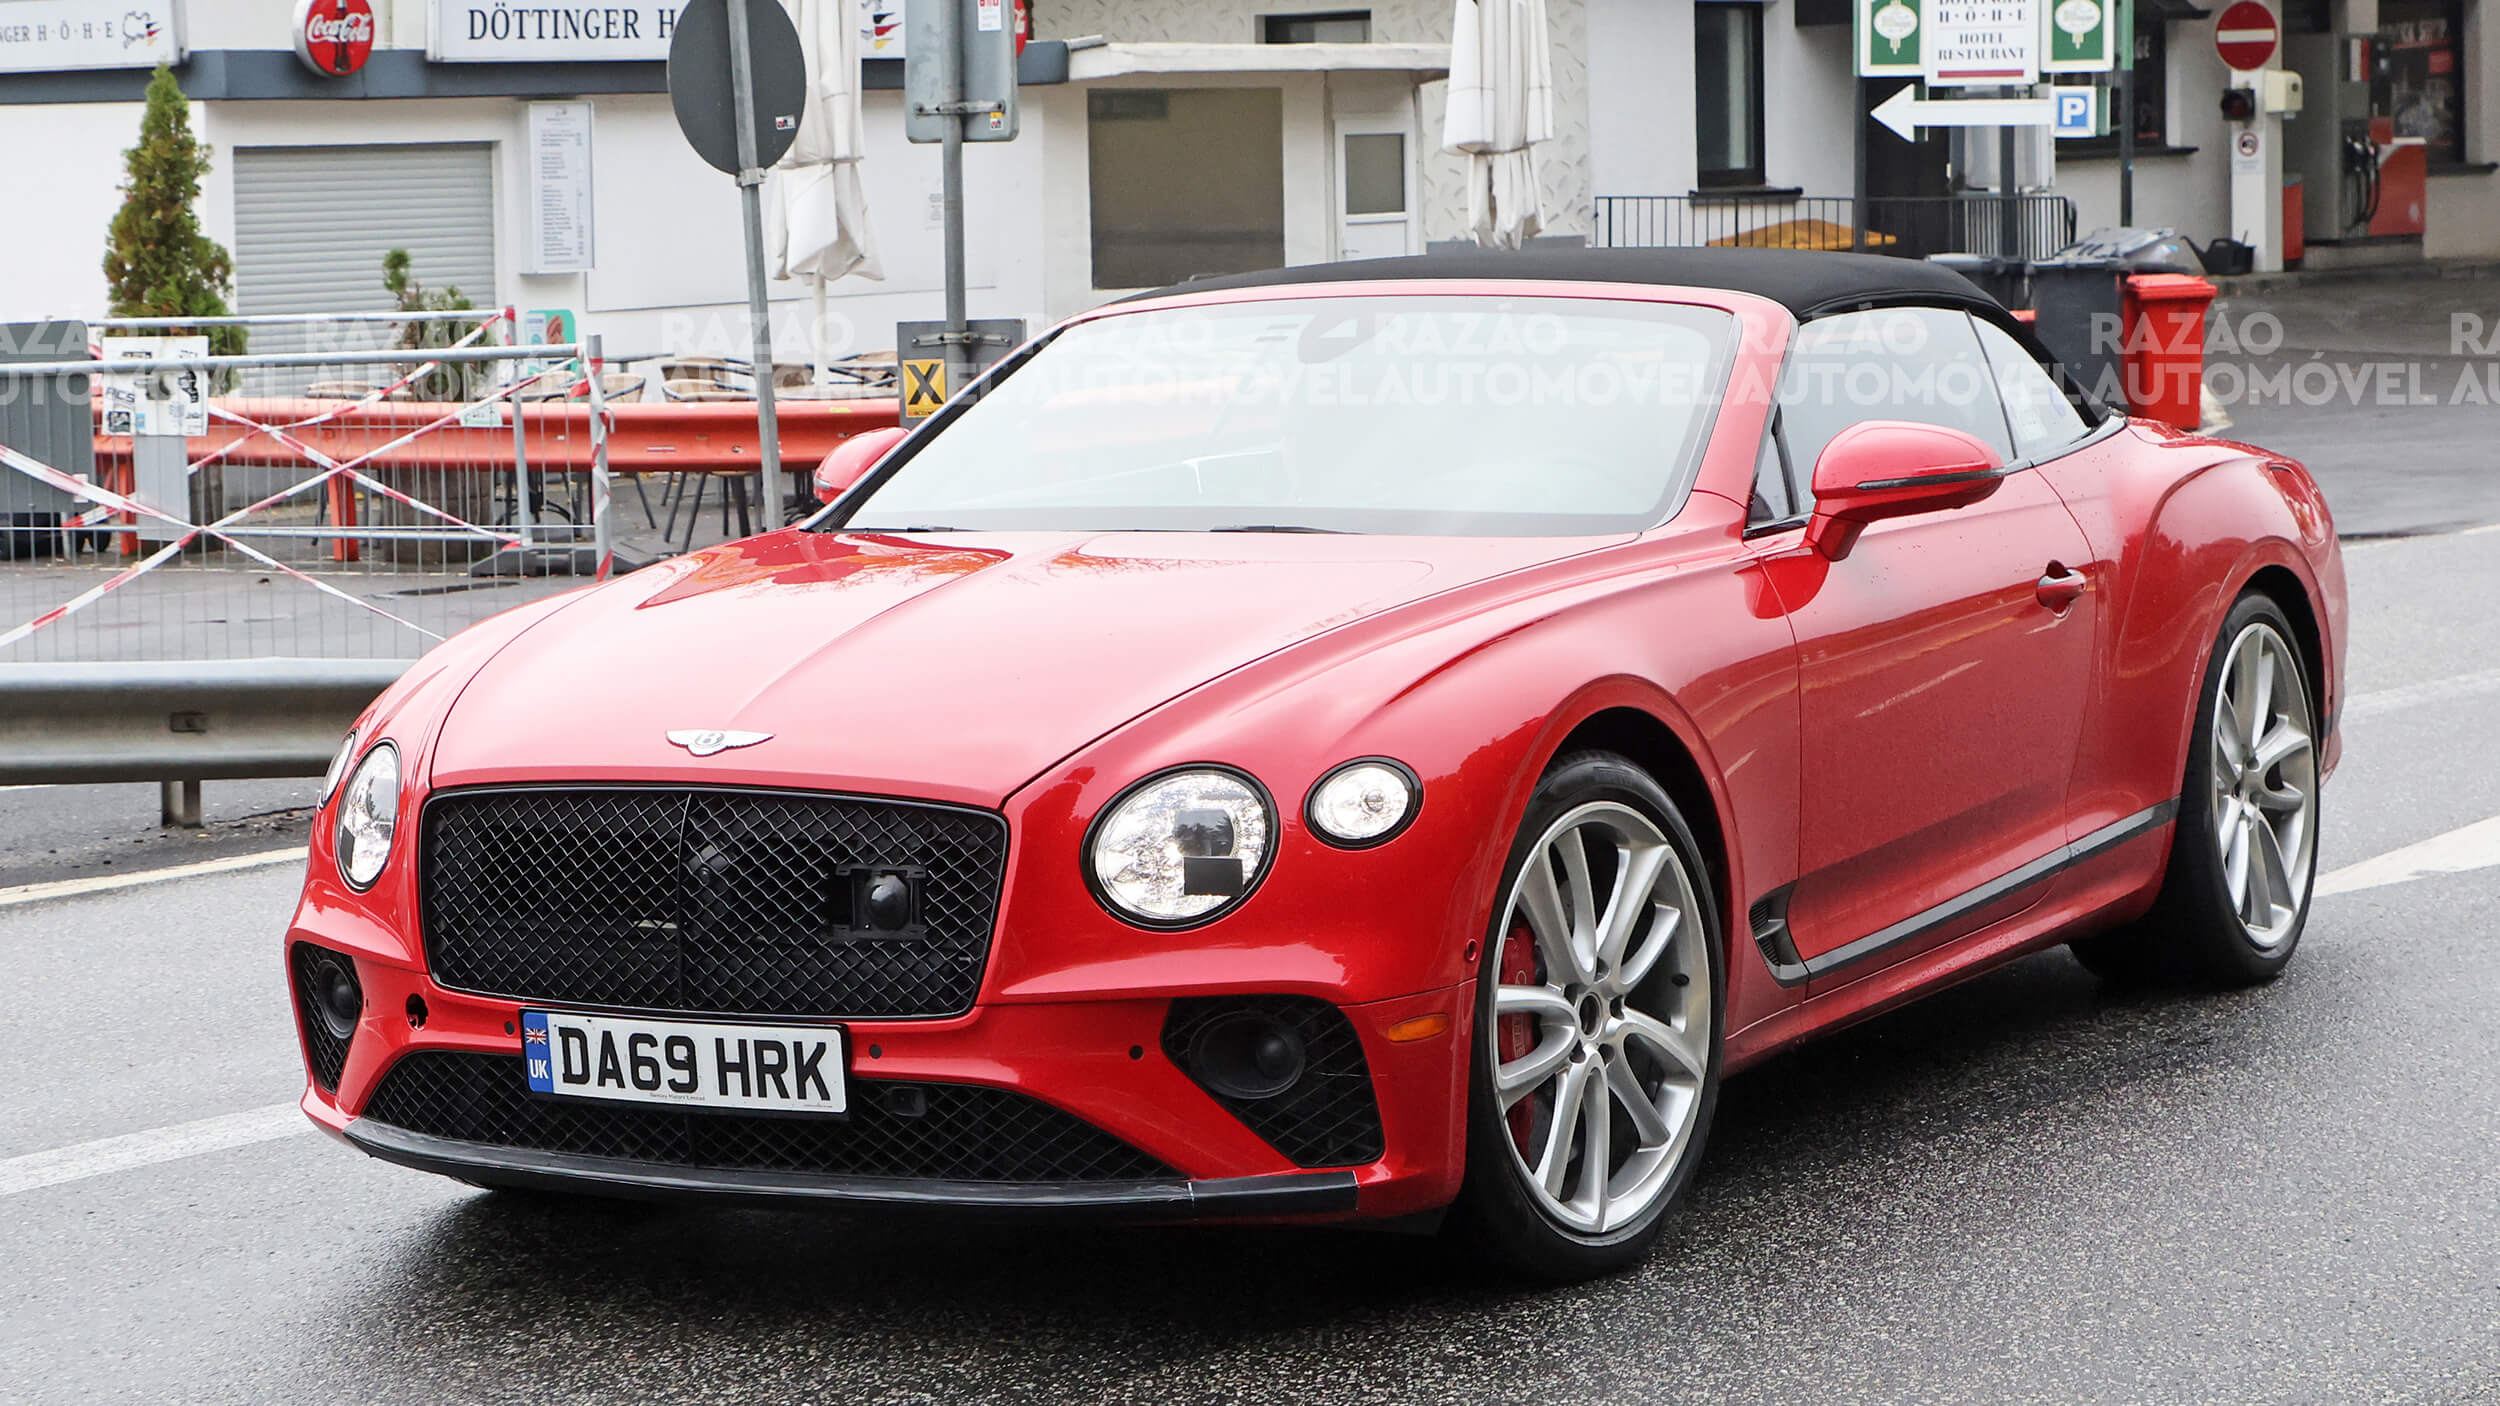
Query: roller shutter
313	222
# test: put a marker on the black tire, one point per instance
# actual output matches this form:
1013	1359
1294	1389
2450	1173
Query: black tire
1496	1214
2194	933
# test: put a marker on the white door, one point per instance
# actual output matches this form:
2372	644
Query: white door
1375	188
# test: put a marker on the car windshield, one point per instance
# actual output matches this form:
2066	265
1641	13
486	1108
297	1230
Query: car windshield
1443	415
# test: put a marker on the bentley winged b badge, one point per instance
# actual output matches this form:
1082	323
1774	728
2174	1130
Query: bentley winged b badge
703	742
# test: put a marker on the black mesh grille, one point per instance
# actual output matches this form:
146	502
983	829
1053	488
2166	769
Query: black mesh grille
327	1052
724	902
1328	1118
960	1132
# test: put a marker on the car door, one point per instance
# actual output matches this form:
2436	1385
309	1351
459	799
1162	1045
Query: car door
1943	662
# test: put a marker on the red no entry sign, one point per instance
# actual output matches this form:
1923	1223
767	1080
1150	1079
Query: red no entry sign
2245	36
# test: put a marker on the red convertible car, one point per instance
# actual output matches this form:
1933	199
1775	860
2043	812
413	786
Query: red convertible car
1384	740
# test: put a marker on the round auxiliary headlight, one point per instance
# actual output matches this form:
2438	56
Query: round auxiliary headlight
369	816
1181	848
338	768
1364	802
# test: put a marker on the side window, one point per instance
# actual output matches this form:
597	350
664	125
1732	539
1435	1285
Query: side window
2045	422
1774	500
1917	364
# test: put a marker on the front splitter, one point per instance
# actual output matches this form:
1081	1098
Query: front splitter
1284	1196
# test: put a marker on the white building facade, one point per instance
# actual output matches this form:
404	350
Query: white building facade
1159	138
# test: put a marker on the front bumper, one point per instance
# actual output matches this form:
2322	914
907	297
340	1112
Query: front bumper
1322	1194
1101	1061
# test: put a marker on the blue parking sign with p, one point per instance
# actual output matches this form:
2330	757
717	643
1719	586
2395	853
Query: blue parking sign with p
2077	112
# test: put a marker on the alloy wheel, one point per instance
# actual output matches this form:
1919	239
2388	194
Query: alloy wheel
2265	785
1602	1017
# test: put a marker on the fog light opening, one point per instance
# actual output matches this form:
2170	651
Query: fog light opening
337	998
1247	1056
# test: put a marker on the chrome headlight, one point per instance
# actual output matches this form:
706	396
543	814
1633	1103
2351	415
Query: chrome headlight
1181	848
338	768
369	817
1364	803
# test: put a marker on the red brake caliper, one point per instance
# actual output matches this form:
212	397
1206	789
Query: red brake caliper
1517	1033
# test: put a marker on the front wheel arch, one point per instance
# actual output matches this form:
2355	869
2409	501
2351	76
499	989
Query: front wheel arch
1646	741
2278	584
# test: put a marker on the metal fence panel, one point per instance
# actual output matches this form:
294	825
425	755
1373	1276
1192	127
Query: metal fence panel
2012	226
411	495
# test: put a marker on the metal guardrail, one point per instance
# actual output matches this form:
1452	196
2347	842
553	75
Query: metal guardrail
2007	226
180	722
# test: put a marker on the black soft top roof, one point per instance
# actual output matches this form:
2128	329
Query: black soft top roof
1808	284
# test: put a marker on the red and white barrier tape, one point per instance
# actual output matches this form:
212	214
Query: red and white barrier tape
110	503
344	407
115	502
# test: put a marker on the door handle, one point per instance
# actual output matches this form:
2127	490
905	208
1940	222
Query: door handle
2061	587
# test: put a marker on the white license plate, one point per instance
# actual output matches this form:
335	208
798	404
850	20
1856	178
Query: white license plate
700	1064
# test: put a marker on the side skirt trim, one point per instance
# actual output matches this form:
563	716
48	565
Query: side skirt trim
1918	925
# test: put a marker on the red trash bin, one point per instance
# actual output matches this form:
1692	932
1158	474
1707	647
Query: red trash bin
2164	316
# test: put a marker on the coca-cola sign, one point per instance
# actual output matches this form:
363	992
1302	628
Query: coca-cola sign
334	37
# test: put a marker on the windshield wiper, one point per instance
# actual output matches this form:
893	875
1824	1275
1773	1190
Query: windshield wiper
1277	527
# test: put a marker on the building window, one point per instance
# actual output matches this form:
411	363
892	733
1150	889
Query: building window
2152	78
1186	181
1727	93
2152	88
1330	27
2419	80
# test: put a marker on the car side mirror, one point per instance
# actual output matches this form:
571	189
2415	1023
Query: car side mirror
1893	468
851	460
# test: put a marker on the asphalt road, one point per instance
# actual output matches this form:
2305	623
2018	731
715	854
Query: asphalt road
2026	1189
62	832
2387	388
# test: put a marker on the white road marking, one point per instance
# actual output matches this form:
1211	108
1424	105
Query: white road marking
2475	846
106	883
82	1160
2388	700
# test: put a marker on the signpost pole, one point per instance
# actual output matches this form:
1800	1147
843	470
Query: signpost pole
959	358
2125	116
759	312
2009	218
1859	92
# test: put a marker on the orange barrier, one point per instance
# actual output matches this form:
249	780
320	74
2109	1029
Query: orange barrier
644	438
707	437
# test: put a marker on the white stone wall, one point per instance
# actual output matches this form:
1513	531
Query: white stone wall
1565	167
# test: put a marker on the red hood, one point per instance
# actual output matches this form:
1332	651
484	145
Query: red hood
954	667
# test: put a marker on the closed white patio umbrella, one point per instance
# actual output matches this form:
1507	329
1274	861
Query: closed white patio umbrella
819	215
1501	105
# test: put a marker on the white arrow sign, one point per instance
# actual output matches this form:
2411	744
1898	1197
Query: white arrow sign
1905	112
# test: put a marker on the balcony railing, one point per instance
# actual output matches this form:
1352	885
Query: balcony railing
2009	226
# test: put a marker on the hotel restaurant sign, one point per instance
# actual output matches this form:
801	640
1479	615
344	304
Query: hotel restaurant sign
50	36
586	31
523	31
